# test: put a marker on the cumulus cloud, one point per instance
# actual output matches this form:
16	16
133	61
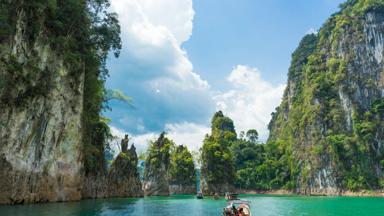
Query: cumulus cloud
162	13
251	100
249	103
168	94
141	142
188	134
153	31
153	68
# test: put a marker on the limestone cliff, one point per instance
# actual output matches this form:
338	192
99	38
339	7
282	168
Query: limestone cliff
330	123
217	168
40	120
169	169
52	75
182	172
121	180
156	175
123	177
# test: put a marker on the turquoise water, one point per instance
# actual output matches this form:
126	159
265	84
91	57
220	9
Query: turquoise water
188	205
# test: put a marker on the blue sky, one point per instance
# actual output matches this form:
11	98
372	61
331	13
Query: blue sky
260	33
182	60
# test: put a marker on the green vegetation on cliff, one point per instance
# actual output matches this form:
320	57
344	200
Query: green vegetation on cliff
217	169
258	166
327	134
244	163
167	164
52	73
182	167
82	33
329	124
158	158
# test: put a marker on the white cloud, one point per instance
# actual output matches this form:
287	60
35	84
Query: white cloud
140	141
188	134
154	69
156	72
251	101
152	32
175	15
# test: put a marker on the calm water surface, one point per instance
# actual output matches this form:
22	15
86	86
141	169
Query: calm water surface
188	205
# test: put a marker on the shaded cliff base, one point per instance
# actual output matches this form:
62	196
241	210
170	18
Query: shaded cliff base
182	189
362	193
25	187
152	189
122	179
19	185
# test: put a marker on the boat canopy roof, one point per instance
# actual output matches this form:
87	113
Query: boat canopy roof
239	202
231	194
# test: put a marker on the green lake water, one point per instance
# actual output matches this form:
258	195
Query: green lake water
188	205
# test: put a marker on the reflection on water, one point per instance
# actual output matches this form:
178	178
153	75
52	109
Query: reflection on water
188	205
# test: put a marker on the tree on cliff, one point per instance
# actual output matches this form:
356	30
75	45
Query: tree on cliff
104	35
82	33
328	127
182	169
217	169
157	163
159	152
168	165
258	166
53	69
252	135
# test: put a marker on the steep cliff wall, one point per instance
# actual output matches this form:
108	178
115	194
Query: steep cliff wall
217	168
52	74
182	172
169	169
330	123
40	120
123	177
156	173
121	180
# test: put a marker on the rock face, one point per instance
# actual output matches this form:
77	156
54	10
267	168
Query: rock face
330	122
156	176
120	180
123	178
169	169
217	169
182	189
40	120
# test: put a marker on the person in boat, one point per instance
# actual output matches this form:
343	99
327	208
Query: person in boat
230	211
241	211
227	212
235	211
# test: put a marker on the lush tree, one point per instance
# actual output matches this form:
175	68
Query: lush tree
223	128
217	166
182	167
252	135
312	127
158	156
81	33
